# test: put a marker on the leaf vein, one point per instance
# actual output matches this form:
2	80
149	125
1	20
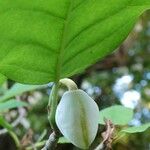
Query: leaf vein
90	46
62	45
93	24
34	11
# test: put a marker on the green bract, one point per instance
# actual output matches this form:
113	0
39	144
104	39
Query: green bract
77	118
45	40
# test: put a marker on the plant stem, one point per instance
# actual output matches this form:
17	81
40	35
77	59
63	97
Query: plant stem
15	138
52	105
51	142
100	146
53	99
71	85
37	145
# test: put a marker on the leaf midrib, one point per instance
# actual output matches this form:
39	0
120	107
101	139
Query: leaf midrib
62	44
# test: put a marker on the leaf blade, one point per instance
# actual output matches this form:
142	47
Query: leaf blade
137	129
115	114
11	104
39	44
18	89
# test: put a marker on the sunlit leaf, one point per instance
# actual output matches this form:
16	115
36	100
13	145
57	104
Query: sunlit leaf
119	115
45	40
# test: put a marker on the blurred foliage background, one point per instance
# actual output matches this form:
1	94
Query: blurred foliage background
121	78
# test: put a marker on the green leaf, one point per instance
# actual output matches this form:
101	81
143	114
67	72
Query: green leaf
18	89
43	41
77	118
137	129
11	104
119	115
9	128
63	140
5	124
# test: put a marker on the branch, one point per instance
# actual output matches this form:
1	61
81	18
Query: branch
107	136
51	142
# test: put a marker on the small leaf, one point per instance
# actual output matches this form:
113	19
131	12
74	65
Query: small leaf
11	104
77	118
63	140
5	124
137	129
9	128
18	89
119	115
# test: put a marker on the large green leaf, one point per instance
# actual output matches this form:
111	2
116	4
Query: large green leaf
44	40
18	89
119	115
